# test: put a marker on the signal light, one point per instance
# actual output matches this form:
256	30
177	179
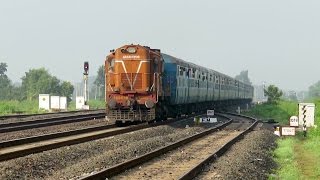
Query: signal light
86	67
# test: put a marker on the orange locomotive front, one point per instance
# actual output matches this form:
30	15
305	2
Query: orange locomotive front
133	83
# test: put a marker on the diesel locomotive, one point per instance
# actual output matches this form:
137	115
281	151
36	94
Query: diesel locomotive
143	84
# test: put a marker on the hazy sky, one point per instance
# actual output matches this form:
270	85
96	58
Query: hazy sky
278	41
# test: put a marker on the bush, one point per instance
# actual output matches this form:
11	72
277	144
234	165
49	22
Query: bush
97	104
280	112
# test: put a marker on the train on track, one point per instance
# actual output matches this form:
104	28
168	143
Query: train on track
143	84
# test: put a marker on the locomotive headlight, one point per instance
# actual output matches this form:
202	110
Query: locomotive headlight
131	50
149	103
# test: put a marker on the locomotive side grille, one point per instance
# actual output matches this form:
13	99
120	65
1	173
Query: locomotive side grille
131	78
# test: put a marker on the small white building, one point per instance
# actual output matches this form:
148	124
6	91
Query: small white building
44	101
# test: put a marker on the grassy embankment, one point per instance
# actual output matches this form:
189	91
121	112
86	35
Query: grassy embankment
297	157
31	107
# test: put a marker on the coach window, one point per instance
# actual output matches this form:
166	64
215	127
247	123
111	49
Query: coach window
222	83
185	72
181	71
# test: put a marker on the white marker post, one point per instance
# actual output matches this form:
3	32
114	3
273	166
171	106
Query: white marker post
294	121
288	131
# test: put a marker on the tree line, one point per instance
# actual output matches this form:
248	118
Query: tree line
40	81
34	82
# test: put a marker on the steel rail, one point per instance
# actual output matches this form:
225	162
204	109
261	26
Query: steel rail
23	125
45	114
46	119
33	139
114	170
20	151
199	167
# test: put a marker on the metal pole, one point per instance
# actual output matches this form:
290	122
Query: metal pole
85	78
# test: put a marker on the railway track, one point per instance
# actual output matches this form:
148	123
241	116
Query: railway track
23	125
30	145
45	114
191	153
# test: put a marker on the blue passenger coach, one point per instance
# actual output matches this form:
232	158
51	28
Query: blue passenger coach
190	87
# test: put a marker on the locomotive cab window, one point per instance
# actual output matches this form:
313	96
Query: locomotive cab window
111	64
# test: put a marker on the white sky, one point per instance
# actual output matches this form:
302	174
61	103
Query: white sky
278	41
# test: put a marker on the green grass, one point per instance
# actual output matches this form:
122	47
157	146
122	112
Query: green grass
280	112
97	104
72	106
14	107
297	157
284	156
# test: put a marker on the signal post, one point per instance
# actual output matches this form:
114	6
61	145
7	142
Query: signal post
85	80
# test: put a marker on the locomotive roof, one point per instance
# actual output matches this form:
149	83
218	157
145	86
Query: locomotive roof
171	59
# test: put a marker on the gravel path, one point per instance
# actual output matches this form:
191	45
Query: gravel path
51	129
248	159
79	160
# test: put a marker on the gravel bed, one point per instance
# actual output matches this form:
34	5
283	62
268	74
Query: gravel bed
81	159
166	166
250	158
51	129
39	117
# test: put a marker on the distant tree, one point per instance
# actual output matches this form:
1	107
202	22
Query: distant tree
5	83
100	81
244	77
3	68
314	90
17	93
100	76
66	89
39	81
293	97
5	88
273	93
